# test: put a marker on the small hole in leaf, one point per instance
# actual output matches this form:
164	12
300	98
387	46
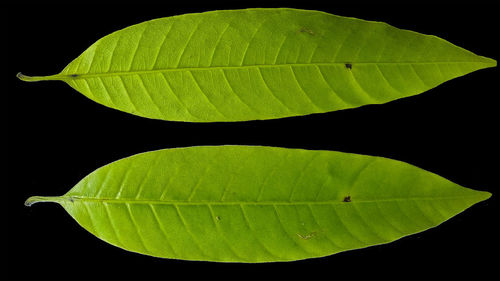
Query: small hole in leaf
348	65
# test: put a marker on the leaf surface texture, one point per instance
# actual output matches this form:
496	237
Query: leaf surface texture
239	65
258	204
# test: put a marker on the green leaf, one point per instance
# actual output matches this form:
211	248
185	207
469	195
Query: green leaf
258	204
238	65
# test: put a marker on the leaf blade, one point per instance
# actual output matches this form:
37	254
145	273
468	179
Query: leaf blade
253	64
259	204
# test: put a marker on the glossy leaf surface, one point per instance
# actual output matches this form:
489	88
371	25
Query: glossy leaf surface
258	204
238	65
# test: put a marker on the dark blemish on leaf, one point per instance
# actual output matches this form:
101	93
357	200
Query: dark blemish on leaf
306	30
347	199
71	199
348	65
217	218
74	75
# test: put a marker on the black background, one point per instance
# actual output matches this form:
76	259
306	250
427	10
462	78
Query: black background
56	136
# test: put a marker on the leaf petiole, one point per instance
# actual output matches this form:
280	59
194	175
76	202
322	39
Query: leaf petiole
36	199
27	78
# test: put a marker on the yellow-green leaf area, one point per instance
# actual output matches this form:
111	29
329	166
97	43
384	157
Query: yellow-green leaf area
254	64
259	204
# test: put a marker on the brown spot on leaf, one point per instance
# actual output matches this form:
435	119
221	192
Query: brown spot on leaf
347	199
306	30
348	65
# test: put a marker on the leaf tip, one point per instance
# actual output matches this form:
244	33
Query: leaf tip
486	195
489	62
482	196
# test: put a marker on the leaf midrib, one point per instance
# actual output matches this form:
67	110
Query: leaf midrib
184	202
136	72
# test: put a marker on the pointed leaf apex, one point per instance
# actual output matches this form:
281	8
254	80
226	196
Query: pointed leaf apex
490	62
485	195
